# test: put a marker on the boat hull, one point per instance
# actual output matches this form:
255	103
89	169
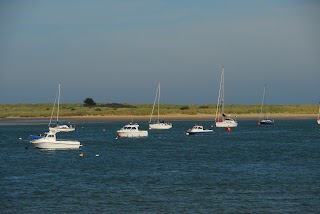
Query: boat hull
266	122
199	133
58	145
226	124
61	129
318	121
129	134
160	126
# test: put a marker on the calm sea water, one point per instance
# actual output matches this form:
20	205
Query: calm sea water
253	169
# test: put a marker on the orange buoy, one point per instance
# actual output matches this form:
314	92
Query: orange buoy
228	129
81	155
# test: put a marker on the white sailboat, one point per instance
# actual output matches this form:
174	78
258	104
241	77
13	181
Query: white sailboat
318	120
264	120
222	120
60	128
160	125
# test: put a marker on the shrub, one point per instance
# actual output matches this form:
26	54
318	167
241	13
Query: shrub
117	105
184	108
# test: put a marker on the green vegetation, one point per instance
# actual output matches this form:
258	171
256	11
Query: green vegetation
123	109
184	108
116	105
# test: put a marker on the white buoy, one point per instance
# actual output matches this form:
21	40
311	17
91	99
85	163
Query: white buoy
97	155
20	138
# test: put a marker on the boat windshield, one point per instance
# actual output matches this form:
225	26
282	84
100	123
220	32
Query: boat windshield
130	128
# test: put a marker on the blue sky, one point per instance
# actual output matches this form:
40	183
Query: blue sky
118	51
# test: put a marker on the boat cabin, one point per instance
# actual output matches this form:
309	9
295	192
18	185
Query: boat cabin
197	127
50	136
131	127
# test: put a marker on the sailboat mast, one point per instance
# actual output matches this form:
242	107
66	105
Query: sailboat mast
55	101
220	95
222	91
319	111
159	102
154	104
263	100
58	109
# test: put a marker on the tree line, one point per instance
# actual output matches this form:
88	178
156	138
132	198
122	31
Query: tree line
89	102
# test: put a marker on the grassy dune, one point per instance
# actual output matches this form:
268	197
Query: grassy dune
70	110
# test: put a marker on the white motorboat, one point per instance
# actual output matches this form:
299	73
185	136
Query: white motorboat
50	141
59	128
132	131
264	120
198	129
222	120
160	125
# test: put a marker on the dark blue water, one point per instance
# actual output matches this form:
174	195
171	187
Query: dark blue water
253	169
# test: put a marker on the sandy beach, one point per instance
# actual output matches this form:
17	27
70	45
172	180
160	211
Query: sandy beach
167	117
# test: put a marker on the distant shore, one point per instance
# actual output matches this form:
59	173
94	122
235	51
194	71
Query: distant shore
166	117
128	112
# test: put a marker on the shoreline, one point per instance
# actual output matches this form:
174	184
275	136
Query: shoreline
166	117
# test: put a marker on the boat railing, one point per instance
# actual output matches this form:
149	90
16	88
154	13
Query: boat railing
61	140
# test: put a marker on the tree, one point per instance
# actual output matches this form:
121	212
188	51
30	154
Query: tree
89	102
